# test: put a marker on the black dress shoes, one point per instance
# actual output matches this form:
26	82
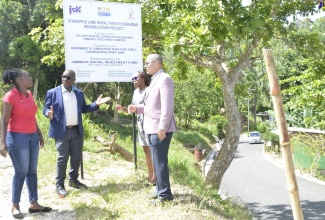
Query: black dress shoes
76	184
61	190
45	209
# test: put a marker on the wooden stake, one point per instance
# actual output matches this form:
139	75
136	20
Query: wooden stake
275	93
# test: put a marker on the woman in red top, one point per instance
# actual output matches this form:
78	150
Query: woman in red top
21	138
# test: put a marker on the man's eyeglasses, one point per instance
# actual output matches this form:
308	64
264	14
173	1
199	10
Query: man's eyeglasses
135	78
147	63
66	77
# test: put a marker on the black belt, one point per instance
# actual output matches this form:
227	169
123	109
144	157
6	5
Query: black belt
71	127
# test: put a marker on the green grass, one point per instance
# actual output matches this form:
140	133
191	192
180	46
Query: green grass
116	189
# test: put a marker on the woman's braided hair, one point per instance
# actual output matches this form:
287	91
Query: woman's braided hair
9	76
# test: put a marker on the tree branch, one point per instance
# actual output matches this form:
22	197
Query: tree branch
202	60
246	60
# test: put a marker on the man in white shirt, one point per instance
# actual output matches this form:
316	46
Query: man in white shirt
63	106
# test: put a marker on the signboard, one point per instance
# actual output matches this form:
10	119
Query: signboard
103	40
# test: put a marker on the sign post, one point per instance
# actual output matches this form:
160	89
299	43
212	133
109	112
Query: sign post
103	41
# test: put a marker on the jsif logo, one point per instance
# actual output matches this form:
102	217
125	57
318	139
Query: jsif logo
73	10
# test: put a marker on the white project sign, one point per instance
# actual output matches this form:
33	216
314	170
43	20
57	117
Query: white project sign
103	40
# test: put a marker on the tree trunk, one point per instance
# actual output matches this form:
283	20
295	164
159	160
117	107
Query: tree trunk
230	144
115	118
35	88
228	78
254	108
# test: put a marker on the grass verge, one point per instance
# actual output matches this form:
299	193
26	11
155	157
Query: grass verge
117	190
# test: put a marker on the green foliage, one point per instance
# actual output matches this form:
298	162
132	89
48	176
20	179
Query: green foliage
195	27
86	122
220	122
11	26
50	36
263	127
26	53
17	19
313	146
52	42
222	36
197	97
209	129
299	63
269	136
254	87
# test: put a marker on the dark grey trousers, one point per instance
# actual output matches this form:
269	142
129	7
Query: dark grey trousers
159	152
69	146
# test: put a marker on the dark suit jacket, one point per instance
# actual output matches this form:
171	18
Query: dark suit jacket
58	123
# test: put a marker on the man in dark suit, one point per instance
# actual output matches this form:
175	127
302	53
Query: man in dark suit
159	122
63	106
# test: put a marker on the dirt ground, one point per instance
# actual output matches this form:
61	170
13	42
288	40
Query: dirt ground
47	195
120	173
6	174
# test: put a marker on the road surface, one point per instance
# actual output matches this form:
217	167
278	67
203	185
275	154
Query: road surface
262	186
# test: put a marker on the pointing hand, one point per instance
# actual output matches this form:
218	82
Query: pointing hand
101	100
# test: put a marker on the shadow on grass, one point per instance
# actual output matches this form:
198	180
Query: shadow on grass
94	212
184	173
107	192
206	203
54	214
116	188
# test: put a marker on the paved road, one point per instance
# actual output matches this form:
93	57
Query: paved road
262	186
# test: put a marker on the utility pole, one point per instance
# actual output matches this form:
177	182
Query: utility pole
249	93
248	115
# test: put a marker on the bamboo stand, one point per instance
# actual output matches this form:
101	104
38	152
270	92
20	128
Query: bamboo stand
275	93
